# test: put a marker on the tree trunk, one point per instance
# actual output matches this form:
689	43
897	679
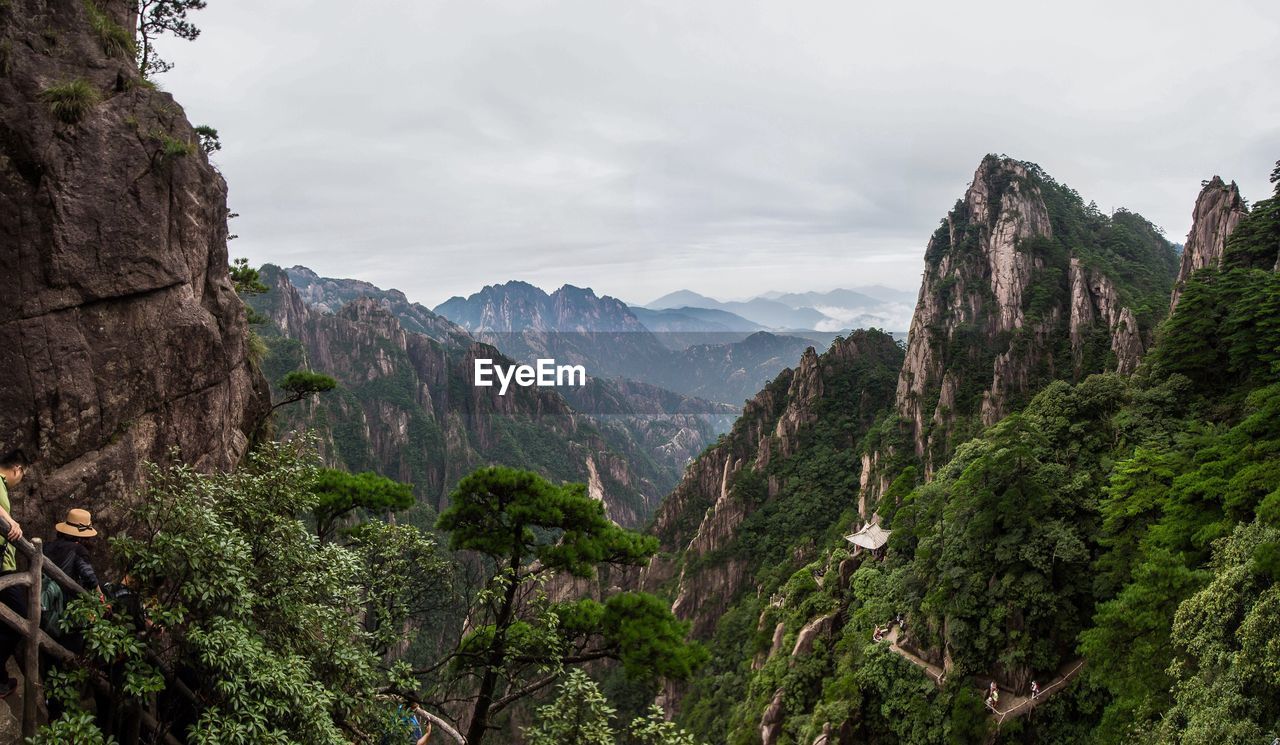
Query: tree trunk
497	651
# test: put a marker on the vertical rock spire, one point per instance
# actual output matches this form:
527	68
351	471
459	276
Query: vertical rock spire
1218	210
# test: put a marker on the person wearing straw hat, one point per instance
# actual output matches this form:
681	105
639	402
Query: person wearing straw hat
69	552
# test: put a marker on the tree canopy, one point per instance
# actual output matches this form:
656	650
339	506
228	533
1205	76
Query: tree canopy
528	532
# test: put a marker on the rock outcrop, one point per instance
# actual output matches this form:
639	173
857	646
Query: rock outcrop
772	719
121	334
699	523
1018	264
1218	210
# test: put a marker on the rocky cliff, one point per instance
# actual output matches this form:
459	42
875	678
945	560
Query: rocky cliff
778	480
121	334
1023	283
406	406
1218	210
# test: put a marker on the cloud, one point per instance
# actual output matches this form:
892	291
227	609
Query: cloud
728	147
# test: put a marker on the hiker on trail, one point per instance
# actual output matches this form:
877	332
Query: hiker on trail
1035	689
13	467
71	555
878	634
69	552
994	693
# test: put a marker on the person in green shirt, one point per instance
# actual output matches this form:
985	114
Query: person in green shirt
13	467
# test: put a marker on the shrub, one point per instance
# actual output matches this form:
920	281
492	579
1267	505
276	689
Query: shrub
209	141
115	40
71	101
172	147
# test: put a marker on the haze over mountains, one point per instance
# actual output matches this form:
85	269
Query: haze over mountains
862	307
695	350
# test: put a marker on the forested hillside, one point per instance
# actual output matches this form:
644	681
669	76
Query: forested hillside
1114	535
250	506
406	407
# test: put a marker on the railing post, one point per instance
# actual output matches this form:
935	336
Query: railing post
30	703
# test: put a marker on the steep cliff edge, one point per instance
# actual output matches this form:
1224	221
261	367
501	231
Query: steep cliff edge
778	482
1036	543
121	335
1218	210
1023	284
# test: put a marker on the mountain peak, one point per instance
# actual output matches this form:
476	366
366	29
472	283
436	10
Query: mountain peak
1218	210
1017	264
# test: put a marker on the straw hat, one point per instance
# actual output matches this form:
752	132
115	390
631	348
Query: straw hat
79	523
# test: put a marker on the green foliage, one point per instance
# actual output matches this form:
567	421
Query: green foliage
517	516
116	41
1160	539
819	479
261	615
1226	672
1131	520
647	639
160	17
1226	333
580	715
171	147
301	384
409	580
1255	242
1002	538
247	280
340	493
654	729
209	144
256	348
525	527
70	102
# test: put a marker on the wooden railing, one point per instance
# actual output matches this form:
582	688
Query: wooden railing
35	639
32	578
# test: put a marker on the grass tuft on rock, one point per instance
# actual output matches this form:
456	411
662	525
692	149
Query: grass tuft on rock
115	40
71	101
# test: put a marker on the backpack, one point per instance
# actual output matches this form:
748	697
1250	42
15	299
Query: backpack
52	604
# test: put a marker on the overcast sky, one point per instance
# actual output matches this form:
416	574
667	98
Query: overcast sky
726	147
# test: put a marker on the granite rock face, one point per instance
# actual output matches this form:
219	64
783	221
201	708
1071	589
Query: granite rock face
1218	210
121	334
1001	289
699	523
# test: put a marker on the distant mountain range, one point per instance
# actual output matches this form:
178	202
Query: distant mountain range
705	352
406	405
875	305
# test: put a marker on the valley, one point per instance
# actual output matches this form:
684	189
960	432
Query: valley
797	498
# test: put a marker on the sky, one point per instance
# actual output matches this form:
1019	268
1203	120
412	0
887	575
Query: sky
731	148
